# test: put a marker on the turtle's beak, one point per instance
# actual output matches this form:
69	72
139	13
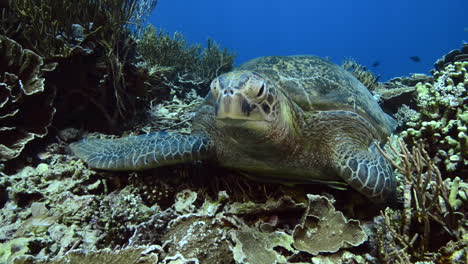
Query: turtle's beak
231	104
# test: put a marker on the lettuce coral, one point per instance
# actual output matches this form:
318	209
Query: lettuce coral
26	108
322	229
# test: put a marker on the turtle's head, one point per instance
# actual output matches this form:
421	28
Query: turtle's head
253	103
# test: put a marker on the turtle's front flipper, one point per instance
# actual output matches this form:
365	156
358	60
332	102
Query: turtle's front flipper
367	171
144	151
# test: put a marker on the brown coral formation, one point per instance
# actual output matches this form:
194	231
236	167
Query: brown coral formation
79	63
93	49
359	71
451	57
26	109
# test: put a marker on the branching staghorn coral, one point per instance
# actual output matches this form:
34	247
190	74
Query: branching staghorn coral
431	208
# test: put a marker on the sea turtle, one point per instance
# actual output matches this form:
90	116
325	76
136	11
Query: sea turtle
288	119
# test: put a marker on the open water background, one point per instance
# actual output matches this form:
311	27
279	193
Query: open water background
369	31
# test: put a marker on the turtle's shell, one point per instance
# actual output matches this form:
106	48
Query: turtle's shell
316	84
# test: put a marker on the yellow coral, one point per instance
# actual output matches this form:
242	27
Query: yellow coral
443	115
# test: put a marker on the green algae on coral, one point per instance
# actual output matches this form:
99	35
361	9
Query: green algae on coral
14	249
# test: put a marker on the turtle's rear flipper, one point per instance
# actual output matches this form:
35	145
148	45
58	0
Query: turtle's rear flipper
144	151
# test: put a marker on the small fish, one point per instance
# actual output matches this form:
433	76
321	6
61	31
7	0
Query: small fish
415	58
376	63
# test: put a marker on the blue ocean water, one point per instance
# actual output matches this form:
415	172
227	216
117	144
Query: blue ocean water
387	32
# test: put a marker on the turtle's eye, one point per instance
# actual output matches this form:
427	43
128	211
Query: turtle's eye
261	90
214	88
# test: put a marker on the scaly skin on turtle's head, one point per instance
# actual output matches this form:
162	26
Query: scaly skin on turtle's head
250	102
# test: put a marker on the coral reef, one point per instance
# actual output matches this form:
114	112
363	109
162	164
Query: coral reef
359	71
63	212
92	58
128	255
174	115
441	123
431	164
178	67
54	208
451	57
93	49
52	28
26	109
400	91
323	230
432	207
391	94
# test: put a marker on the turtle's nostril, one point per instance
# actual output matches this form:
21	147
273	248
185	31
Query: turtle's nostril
226	91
